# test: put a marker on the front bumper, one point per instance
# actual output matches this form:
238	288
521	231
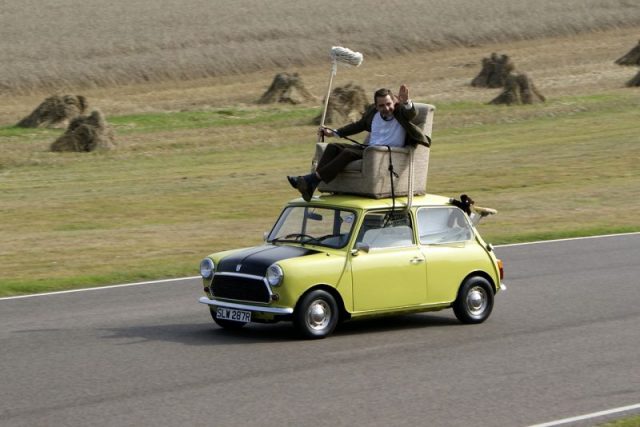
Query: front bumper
248	307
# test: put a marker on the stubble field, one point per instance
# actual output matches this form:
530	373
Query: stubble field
71	43
194	170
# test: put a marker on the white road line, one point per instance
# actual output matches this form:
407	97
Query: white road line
98	288
589	416
567	240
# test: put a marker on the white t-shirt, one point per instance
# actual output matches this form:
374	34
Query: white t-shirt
386	132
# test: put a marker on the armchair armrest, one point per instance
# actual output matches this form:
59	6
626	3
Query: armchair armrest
375	160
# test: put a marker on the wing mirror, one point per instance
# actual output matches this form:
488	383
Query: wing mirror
364	247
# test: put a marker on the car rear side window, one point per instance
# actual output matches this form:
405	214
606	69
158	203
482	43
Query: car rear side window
443	225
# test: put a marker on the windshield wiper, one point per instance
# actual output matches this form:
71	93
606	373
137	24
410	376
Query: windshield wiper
282	240
297	238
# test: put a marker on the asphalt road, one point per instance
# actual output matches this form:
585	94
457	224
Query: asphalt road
563	340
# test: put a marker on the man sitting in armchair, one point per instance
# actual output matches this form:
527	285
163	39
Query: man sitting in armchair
389	124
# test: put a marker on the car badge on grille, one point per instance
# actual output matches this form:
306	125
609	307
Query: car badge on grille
238	267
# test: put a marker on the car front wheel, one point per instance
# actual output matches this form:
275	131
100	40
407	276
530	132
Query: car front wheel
475	300
316	315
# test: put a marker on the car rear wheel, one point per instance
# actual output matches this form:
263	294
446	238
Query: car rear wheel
224	323
475	300
316	315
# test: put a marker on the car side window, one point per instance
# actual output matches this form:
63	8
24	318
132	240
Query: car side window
386	230
443	225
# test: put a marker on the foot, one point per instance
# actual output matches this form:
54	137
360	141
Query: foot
293	181
304	188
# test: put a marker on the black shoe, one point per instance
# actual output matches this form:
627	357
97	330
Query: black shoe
304	188
293	181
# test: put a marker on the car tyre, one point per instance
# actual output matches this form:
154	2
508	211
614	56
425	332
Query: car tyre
224	323
316	315
475	300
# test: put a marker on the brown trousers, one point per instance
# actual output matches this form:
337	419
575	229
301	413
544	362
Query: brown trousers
336	157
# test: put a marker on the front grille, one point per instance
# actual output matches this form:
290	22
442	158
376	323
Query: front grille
240	288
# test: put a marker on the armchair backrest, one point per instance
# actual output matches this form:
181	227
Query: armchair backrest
424	119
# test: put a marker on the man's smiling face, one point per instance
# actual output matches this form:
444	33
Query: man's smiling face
385	106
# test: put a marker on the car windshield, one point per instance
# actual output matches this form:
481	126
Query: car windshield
311	225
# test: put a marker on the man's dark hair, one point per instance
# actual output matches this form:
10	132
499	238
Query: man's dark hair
381	93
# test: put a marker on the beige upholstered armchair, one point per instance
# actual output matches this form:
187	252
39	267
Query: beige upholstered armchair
370	176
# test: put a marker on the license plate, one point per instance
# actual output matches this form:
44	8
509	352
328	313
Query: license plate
233	314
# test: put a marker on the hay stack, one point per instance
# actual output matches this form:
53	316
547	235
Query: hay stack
55	111
85	133
634	81
346	103
286	88
495	70
518	89
631	58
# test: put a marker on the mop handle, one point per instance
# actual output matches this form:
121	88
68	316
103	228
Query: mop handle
334	68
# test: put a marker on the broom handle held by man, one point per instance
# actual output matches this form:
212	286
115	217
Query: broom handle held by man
342	55
334	132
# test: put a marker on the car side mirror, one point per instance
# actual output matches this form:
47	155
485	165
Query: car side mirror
264	236
364	247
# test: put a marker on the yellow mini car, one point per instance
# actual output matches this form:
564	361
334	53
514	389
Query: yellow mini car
337	258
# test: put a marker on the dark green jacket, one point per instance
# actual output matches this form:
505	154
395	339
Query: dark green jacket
402	114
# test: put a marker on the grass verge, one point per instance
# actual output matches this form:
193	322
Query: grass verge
633	421
184	184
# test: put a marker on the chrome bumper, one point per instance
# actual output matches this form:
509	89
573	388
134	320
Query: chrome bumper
259	308
503	287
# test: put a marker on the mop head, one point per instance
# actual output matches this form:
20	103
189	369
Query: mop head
346	56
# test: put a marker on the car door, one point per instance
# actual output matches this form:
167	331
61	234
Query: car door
388	269
450	251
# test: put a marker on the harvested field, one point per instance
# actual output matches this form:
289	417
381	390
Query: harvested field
576	65
73	43
189	146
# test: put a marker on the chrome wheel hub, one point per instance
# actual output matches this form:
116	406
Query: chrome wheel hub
476	300
319	315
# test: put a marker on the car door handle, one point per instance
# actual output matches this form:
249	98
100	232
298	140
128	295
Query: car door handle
416	260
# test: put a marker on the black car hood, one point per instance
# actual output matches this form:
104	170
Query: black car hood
256	260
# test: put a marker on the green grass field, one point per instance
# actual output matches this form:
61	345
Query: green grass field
182	185
632	421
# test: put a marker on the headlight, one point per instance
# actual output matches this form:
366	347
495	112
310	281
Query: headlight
274	275
207	268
